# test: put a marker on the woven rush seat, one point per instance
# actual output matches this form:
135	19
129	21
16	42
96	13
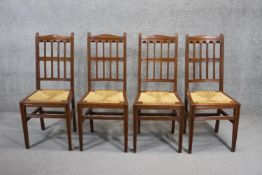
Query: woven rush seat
49	95
210	97
157	97
104	96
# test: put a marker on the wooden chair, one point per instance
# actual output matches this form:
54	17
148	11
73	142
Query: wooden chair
51	98
105	99
158	100
204	63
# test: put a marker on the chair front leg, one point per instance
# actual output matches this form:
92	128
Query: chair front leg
24	124
191	128
235	128
126	128
68	126
134	128
80	126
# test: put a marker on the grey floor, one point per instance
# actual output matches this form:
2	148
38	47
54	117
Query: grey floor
157	149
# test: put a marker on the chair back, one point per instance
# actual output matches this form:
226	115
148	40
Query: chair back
157	59
54	58
106	54
204	60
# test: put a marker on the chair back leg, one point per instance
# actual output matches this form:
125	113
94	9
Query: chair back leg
68	126
134	128
126	129
235	128
191	129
